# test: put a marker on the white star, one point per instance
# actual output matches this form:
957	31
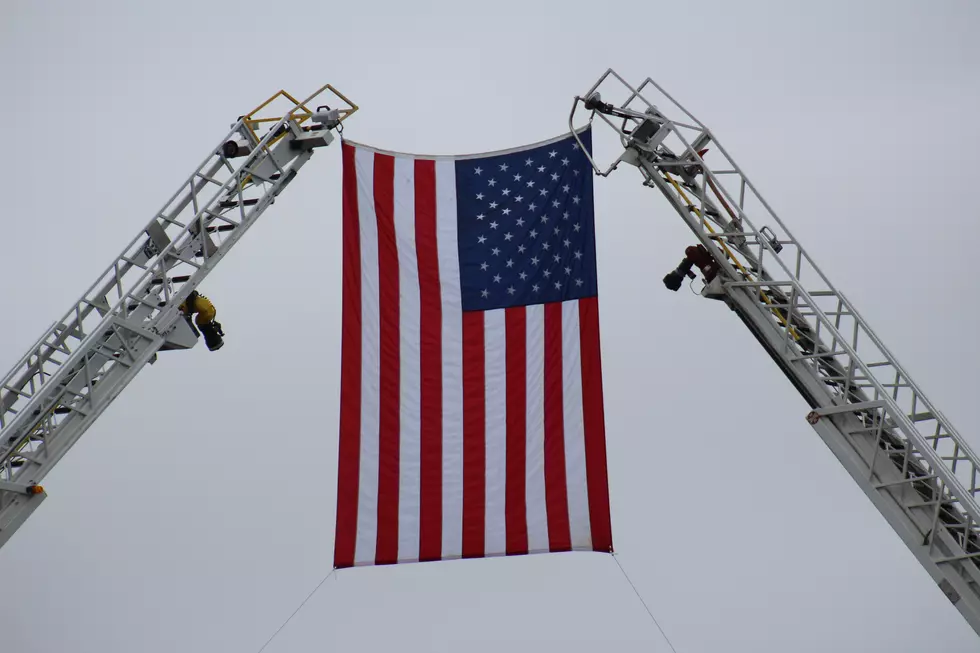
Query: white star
510	262
521	249
495	251
557	230
505	192
528	162
578	254
540	168
508	236
574	146
564	216
547	273
492	182
558	285
554	176
535	287
552	154
567	242
484	266
533	234
555	203
518	199
478	171
557	258
520	222
566	188
482	239
575	172
546	247
517	177
479	196
496	278
493	224
493	205
485	294
532	206
523	276
564	162
480	217
506	211
530	184
545	219
575	199
503	166
534	260
568	270
578	282
511	290
544	192
577	226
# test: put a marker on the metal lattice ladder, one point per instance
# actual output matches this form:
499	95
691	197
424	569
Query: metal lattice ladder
904	454
75	370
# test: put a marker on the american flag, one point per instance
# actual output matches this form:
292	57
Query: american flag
471	419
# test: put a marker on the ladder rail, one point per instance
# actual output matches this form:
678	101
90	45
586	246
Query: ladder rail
904	453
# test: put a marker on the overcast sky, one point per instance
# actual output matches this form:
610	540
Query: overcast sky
197	513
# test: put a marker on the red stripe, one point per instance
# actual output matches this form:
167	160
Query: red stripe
474	436
516	492
388	382
349	455
595	435
555	486
430	511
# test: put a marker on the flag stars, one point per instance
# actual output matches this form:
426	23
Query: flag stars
544	192
536	288
492	182
532	206
558	285
578	255
493	205
556	203
554	176
517	177
521	249
510	262
493	224
533	233
528	162
545	219
557	258
480	217
564	216
519	199
546	246
575	172
506	211
495	251
485	293
540	168
479	196
552	154
496	278
568	270
567	242
530	184
557	230
503	167
508	236
478	171
511	290
484	266
481	239
576	199
566	188
579	282
505	192
564	162
574	146
520	222
534	260
577	226
523	276
547	273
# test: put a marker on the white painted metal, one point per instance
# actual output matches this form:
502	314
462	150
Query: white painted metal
899	448
75	370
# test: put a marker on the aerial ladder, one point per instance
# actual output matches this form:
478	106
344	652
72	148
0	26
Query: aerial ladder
898	447
131	312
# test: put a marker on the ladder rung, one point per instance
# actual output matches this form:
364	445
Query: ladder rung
230	204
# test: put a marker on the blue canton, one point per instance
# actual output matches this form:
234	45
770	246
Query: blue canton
526	226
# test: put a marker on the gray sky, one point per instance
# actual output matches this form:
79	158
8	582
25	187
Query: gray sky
199	510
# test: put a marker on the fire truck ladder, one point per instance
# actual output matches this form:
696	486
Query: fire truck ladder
904	454
84	360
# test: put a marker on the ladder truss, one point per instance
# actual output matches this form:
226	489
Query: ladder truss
85	359
900	449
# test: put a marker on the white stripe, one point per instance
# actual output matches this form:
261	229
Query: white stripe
367	500
452	361
495	339
409	317
575	478
537	509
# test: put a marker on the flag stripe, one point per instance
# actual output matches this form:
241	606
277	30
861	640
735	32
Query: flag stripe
388	380
367	503
573	425
350	372
430	536
537	510
495	375
474	436
452	361
516	391
595	437
559	536
410	420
